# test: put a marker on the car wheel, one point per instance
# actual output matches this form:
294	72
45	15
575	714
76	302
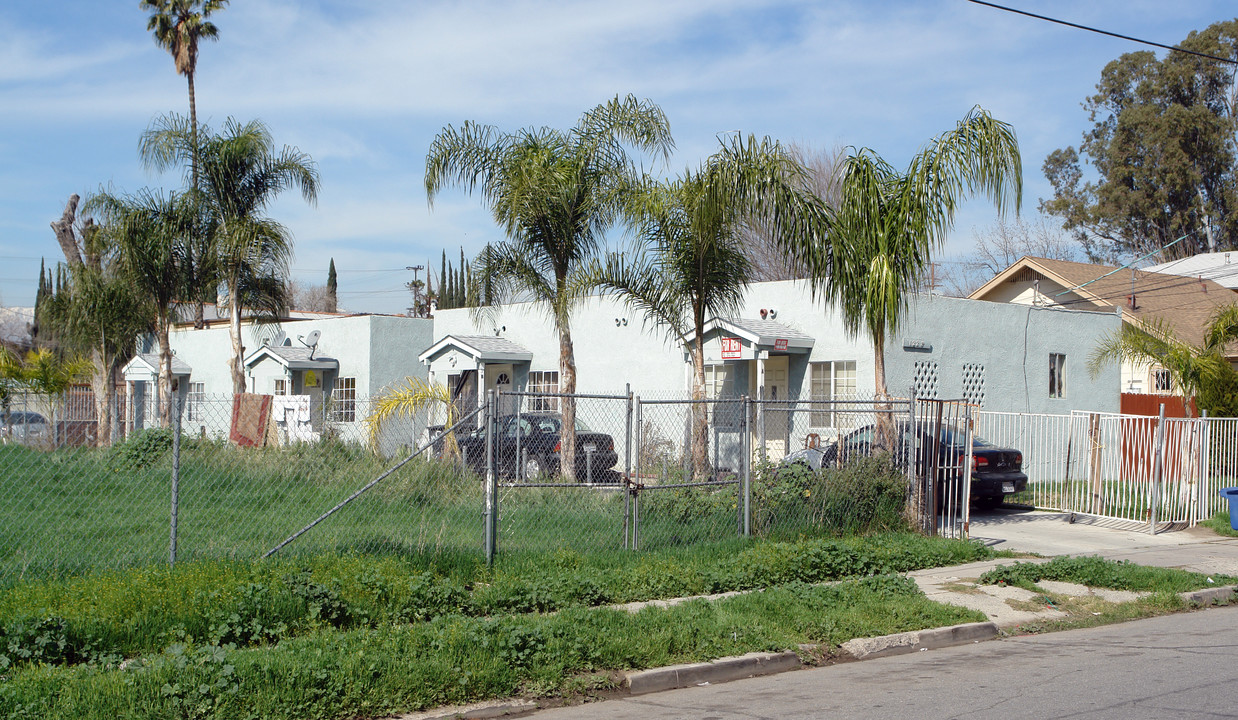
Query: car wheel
534	467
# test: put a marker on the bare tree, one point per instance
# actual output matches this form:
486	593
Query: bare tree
309	298
998	247
768	261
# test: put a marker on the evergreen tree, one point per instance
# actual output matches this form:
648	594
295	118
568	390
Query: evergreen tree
332	288
444	300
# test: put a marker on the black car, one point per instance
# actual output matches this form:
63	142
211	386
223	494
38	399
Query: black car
995	471
530	443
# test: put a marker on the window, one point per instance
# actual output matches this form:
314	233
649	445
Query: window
831	381
281	387
194	400
719	381
543	382
1161	381
1057	375
344	400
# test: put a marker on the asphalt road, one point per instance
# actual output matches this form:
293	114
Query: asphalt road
1183	665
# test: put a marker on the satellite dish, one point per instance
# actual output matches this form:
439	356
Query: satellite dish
311	341
279	338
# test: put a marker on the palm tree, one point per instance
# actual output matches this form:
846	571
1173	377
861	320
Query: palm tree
406	400
887	223
241	174
151	234
692	262
178	26
1190	367
554	193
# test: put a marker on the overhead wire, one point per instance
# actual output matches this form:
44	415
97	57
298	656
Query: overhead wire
1174	48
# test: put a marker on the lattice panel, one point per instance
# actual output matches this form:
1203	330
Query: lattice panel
926	379
973	383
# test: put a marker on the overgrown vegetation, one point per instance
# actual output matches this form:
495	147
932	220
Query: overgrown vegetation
1098	572
374	671
248	604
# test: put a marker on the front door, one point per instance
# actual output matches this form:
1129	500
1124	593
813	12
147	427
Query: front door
777	414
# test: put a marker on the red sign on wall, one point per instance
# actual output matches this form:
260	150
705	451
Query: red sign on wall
780	344
731	349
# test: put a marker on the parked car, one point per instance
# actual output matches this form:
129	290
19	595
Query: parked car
995	471
25	427
531	443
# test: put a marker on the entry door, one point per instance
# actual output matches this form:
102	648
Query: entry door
777	415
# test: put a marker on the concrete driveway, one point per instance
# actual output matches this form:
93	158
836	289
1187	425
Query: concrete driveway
1049	534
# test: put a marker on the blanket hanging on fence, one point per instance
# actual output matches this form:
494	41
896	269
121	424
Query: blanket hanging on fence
251	416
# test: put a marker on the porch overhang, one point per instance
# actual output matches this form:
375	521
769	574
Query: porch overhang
145	366
479	348
292	358
755	336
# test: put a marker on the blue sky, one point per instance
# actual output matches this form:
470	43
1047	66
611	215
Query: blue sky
364	87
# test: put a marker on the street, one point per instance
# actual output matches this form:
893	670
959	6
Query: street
1183	665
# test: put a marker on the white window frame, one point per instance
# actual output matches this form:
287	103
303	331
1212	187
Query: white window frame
344	400
281	386
831	380
193	401
1057	375
1162	381
543	381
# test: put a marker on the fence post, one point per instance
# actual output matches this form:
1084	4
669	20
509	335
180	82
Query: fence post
913	478
1205	469
491	495
746	501
176	475
633	408
1156	471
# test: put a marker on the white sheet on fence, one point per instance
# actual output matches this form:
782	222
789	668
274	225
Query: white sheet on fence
292	418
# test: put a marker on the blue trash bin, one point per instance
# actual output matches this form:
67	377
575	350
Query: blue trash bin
1231	494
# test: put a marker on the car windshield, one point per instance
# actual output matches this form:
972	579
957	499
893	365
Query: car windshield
955	436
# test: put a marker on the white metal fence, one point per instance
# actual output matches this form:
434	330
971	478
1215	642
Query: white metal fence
1125	467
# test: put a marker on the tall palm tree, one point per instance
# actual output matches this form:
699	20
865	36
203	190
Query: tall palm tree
887	223
241	174
554	193
178	26
692	262
150	234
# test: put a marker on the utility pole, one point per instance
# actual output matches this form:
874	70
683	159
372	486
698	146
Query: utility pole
415	286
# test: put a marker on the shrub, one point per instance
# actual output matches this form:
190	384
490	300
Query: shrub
864	496
142	448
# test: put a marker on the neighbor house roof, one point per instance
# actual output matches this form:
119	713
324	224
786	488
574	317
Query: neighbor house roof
484	348
1220	267
1185	304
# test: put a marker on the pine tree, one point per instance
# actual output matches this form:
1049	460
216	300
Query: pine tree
332	288
444	300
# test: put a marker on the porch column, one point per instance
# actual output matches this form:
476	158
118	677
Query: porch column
762	356
481	383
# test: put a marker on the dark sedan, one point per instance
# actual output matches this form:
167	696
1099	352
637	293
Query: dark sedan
529	447
995	471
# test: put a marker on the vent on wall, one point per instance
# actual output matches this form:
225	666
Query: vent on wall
926	379
973	383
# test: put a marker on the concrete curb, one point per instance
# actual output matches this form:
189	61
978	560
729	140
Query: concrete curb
902	643
1224	594
718	671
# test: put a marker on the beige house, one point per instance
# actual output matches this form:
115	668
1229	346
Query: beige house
1144	299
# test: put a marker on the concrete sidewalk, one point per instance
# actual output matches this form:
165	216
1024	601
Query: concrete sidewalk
1197	549
1053	534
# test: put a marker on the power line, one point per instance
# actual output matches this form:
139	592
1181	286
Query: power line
1105	32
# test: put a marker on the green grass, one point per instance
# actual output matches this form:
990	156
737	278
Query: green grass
71	511
1101	573
373	672
126	613
1219	523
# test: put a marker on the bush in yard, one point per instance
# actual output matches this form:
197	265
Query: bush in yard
865	496
142	448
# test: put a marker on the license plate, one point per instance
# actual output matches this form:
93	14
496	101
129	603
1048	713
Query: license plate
1007	487
590	447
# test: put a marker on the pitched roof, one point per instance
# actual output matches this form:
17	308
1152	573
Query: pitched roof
297	358
150	361
487	348
1186	304
1221	267
760	333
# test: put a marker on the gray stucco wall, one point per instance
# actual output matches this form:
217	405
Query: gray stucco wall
1013	344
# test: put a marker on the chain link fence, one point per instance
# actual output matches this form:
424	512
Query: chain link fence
247	476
